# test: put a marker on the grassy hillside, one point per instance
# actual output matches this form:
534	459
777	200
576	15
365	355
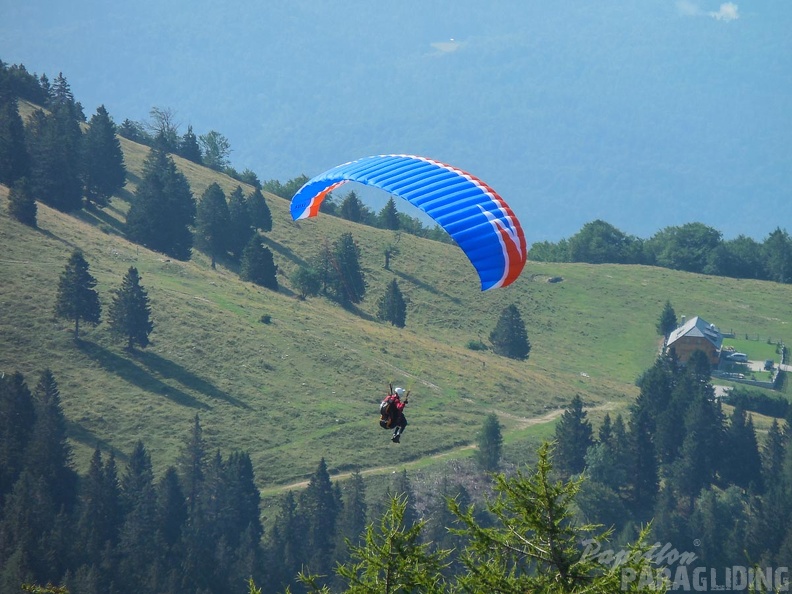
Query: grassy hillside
307	384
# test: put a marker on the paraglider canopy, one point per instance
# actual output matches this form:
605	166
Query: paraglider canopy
472	213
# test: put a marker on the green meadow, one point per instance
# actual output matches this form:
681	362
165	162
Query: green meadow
307	384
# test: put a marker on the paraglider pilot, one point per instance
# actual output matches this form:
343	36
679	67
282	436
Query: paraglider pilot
392	411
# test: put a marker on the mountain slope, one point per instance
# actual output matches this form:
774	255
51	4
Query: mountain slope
307	384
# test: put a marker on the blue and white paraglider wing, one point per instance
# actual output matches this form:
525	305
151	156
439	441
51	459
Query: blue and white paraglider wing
472	213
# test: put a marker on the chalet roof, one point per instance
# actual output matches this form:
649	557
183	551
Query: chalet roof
699	328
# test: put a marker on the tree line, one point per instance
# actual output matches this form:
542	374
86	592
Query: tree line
678	461
198	526
693	247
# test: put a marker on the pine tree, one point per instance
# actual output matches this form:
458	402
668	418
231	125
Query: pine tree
320	508
389	216
164	208
240	223
21	204
668	320
509	337
129	315
260	215
213	223
77	299
189	147
14	158
352	208
573	437
391	307
17	418
192	465
104	172
352	517
741	462
258	265
54	143
490	444
346	276
49	454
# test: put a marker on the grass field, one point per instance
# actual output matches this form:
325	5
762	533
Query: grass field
307	384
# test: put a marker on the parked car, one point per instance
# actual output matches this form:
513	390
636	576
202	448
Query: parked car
738	357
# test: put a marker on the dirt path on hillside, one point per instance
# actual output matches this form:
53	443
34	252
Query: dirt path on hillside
521	423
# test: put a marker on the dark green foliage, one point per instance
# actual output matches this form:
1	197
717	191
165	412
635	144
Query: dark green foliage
490	444
260	215
17	417
307	281
216	149
54	143
352	209
346	279
14	158
213	223
668	320
759	402
286	190
129	315
77	299
741	464
21	204
599	242
778	256
318	504
573	437
392	307
104	172
135	132
389	216
240	223
509	337
163	210
352	518
189	147
258	265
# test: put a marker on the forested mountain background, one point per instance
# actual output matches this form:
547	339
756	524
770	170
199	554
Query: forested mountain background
644	115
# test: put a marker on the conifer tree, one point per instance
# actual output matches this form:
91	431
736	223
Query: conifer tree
391	307
668	320
213	223
14	158
17	417
389	216
288	543
129	315
318	504
189	147
164	208
509	337
192	465
260	215
490	444
573	437
49	454
21	204
258	265
104	172
352	208
741	463
346	276
77	299
240	223
352	518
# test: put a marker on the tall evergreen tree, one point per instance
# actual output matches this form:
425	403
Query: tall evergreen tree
189	147
260	215
14	158
22	204
741	462
573	437
352	518
668	320
104	172
392	307
509	337
164	208
213	223
348	282
17	418
288	543
129	315
258	265
320	508
389	216
54	143
352	208
490	444
240	223
192	465
77	299
49	454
